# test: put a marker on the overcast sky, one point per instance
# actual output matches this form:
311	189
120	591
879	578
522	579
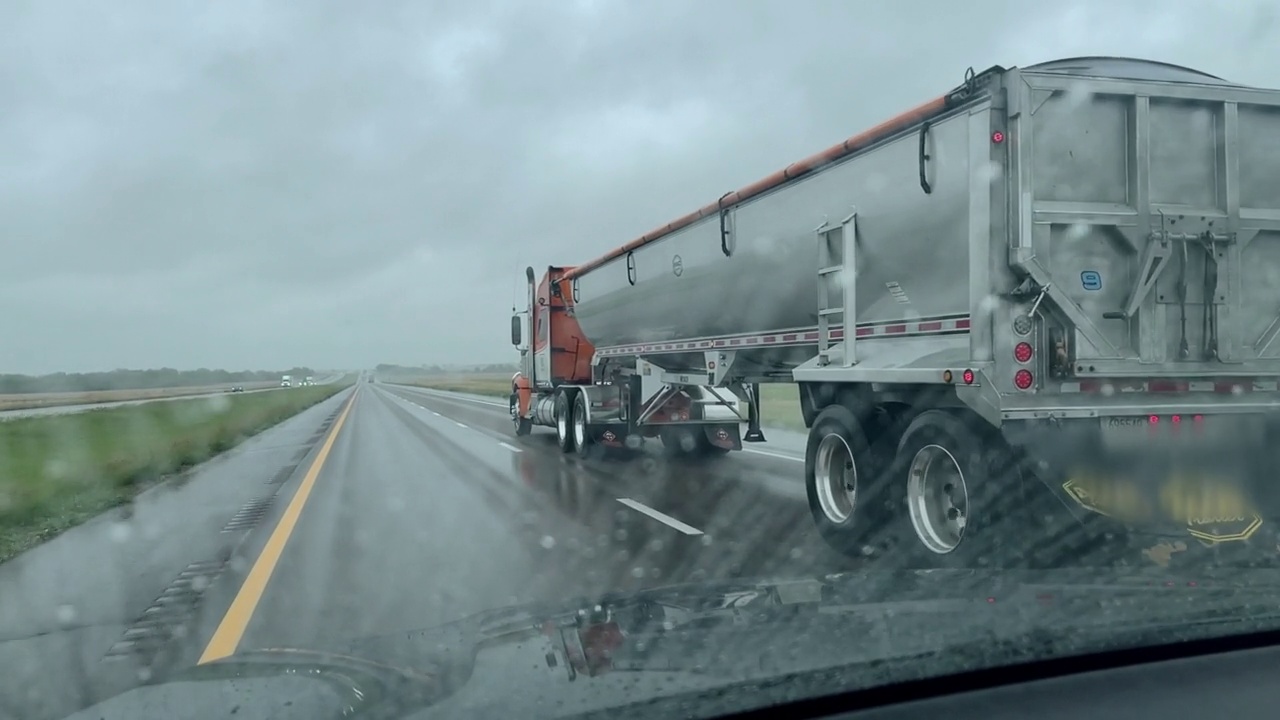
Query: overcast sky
263	184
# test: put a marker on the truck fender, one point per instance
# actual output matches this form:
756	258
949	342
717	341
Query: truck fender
523	389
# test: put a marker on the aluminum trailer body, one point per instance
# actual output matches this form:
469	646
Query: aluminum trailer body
1059	277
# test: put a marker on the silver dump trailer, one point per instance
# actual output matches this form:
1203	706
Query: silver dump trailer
1054	287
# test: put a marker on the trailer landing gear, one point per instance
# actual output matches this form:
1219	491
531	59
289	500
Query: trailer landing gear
754	433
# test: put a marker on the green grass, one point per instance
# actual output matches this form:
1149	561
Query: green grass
59	471
779	406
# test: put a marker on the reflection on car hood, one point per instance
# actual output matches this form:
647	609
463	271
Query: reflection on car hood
594	654
276	684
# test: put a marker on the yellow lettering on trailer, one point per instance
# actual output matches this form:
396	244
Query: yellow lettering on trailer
1214	510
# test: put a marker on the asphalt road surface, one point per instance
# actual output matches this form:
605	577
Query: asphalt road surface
426	509
385	508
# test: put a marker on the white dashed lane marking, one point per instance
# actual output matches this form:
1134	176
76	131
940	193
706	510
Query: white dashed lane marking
660	517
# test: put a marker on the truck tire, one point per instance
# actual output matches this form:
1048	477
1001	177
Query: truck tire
523	425
844	483
582	439
678	441
564	422
962	495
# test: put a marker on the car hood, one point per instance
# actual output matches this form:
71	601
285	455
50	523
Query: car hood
712	648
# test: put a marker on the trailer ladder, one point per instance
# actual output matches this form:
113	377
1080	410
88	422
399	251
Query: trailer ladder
837	266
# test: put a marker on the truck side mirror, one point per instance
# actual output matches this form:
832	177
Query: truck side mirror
515	330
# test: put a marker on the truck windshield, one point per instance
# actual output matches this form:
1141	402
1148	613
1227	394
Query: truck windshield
515	360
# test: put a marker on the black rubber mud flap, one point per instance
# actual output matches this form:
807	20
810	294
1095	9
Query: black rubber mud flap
718	441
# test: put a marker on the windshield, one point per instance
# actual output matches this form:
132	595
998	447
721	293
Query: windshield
515	359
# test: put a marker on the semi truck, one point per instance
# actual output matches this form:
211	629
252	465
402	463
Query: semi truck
1051	292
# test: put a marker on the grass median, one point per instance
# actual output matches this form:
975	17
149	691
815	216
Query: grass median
59	471
43	400
779	402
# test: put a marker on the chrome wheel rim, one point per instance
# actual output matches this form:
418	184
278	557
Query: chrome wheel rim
579	428
937	499
562	426
836	479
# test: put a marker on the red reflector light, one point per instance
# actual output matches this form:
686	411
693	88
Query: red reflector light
997	137
1198	418
967	376
1023	379
1022	352
1176	419
1154	419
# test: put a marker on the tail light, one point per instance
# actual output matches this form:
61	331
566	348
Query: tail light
1022	352
1023	379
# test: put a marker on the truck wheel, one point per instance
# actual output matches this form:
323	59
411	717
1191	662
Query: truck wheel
954	484
523	425
564	420
677	441
842	482
581	436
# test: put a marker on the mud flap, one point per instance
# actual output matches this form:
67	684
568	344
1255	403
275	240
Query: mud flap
724	437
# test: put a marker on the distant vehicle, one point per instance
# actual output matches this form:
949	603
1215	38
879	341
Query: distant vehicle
237	388
309	381
286	381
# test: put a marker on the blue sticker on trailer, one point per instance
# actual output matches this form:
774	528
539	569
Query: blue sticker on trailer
1091	280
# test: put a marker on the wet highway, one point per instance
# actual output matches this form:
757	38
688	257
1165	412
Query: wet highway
427	509
383	509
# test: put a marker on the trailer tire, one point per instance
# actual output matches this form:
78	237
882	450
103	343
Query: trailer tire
844	485
564	422
954	484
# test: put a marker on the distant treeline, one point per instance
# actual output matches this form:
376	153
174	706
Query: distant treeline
136	379
492	368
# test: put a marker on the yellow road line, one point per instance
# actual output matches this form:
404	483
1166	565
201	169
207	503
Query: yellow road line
230	631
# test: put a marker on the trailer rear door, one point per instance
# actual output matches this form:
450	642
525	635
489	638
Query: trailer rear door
1150	210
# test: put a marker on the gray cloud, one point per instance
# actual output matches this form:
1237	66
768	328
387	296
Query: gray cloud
339	184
